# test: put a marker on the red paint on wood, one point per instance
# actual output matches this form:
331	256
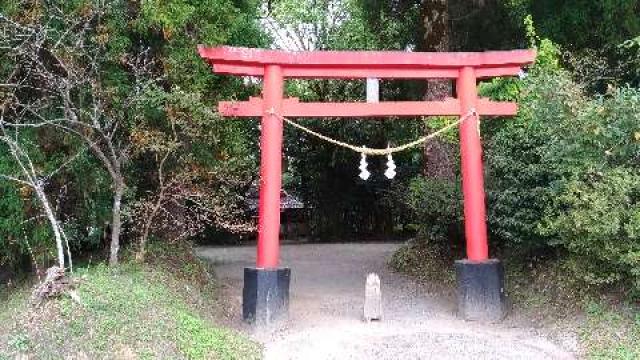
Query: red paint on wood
475	226
365	64
270	170
496	108
349	72
395	59
294	108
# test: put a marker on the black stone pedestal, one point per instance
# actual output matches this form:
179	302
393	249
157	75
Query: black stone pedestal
265	297
481	295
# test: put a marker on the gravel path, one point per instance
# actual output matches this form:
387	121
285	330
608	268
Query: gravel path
326	302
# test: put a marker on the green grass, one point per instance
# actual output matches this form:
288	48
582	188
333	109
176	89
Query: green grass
611	331
198	341
134	311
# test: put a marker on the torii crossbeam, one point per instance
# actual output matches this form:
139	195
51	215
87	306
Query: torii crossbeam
480	278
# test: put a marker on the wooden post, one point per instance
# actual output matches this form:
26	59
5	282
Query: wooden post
475	226
270	170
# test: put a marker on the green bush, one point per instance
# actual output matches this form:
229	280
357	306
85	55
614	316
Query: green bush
564	175
519	172
436	207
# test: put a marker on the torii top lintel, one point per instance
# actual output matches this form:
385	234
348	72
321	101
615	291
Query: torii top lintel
365	64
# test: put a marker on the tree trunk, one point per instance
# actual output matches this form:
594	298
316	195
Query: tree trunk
142	251
54	224
436	37
116	223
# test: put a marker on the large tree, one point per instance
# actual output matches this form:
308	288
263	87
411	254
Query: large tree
104	73
65	79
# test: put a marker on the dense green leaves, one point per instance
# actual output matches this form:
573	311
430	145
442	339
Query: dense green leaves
597	220
144	70
563	174
587	24
174	29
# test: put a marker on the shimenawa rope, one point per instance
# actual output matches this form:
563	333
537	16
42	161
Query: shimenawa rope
376	152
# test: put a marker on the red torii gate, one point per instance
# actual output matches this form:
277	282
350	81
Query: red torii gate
266	289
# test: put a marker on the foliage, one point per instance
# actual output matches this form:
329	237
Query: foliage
323	175
562	174
197	168
66	78
145	71
14	205
594	212
200	172
174	28
630	64
593	34
435	206
519	177
582	23
27	170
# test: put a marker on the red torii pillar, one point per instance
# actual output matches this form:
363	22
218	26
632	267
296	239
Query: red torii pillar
480	279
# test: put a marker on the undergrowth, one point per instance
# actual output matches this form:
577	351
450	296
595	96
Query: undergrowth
611	331
425	261
161	310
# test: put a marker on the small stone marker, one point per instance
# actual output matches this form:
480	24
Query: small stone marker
372	298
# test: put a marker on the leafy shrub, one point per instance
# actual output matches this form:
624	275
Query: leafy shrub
564	175
598	218
436	207
519	172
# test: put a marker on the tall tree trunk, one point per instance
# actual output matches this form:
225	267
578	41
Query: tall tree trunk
438	154
116	222
436	37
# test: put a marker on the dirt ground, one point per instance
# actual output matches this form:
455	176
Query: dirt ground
326	305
